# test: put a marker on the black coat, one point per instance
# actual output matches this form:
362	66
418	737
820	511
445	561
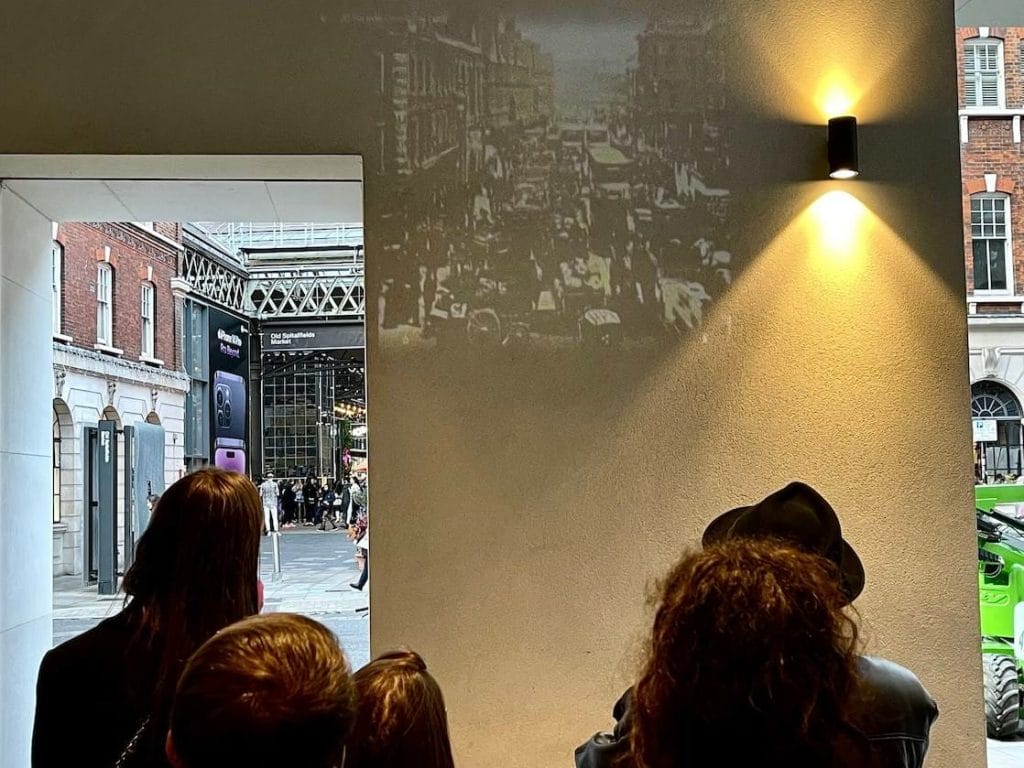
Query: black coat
310	494
890	708
90	699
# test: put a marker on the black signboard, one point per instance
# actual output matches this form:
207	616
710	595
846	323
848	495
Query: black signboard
303	338
229	390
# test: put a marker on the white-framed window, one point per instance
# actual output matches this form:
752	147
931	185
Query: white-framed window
984	84
147	306
105	305
55	478
56	281
990	244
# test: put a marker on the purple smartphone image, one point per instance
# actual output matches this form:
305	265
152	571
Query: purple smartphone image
232	459
229	403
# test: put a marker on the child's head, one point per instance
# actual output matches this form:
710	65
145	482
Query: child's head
271	690
401	720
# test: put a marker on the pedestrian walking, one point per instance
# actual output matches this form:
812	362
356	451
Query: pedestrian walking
352	508
288	507
325	510
359	532
310	498
269	497
300	503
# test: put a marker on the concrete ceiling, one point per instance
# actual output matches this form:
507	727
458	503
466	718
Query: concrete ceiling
94	188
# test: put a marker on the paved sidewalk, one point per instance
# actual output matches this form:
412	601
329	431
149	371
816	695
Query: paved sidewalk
316	569
1005	754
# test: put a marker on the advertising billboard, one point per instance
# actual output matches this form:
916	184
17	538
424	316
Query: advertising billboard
229	390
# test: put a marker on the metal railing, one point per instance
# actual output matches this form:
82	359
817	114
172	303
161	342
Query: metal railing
214	280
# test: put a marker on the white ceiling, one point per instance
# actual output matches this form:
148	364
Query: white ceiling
195	188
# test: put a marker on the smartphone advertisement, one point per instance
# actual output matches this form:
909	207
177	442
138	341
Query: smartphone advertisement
229	390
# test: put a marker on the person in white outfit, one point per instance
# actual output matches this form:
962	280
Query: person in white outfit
268	494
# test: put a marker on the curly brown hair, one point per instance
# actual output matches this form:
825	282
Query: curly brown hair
752	660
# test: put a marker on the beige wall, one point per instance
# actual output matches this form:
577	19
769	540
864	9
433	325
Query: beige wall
523	502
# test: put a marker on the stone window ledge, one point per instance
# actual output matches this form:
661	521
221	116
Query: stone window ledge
62	338
108	350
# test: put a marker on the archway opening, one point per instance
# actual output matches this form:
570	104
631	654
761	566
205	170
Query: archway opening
64	507
996	411
110	414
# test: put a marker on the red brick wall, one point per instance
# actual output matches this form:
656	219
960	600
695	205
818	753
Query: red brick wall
132	252
169	229
990	149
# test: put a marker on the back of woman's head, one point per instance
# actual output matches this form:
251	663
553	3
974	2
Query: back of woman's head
195	569
200	551
400	716
752	660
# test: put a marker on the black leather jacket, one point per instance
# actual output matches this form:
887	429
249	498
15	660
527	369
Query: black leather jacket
892	709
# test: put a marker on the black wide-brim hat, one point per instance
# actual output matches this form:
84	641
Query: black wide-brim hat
799	515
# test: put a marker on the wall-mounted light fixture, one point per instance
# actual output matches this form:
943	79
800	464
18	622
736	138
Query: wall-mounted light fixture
842	147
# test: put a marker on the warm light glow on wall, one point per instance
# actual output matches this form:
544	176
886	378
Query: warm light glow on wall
836	94
837	224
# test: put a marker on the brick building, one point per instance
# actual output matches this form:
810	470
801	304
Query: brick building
435	88
991	103
678	89
117	355
520	77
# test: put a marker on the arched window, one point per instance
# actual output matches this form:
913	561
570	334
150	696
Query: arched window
991	243
1004	457
990	400
984	84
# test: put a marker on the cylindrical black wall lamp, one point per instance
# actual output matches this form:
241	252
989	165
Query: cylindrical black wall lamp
842	147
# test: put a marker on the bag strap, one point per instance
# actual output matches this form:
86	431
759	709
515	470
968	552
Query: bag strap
132	745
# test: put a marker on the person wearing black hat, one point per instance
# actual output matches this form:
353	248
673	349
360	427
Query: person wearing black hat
888	707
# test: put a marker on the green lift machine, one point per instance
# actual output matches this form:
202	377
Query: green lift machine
1001	595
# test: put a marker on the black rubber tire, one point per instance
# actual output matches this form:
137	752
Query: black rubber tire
1002	696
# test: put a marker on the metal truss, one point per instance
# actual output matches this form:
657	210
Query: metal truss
237	236
213	280
306	293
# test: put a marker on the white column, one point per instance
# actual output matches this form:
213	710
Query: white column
26	401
